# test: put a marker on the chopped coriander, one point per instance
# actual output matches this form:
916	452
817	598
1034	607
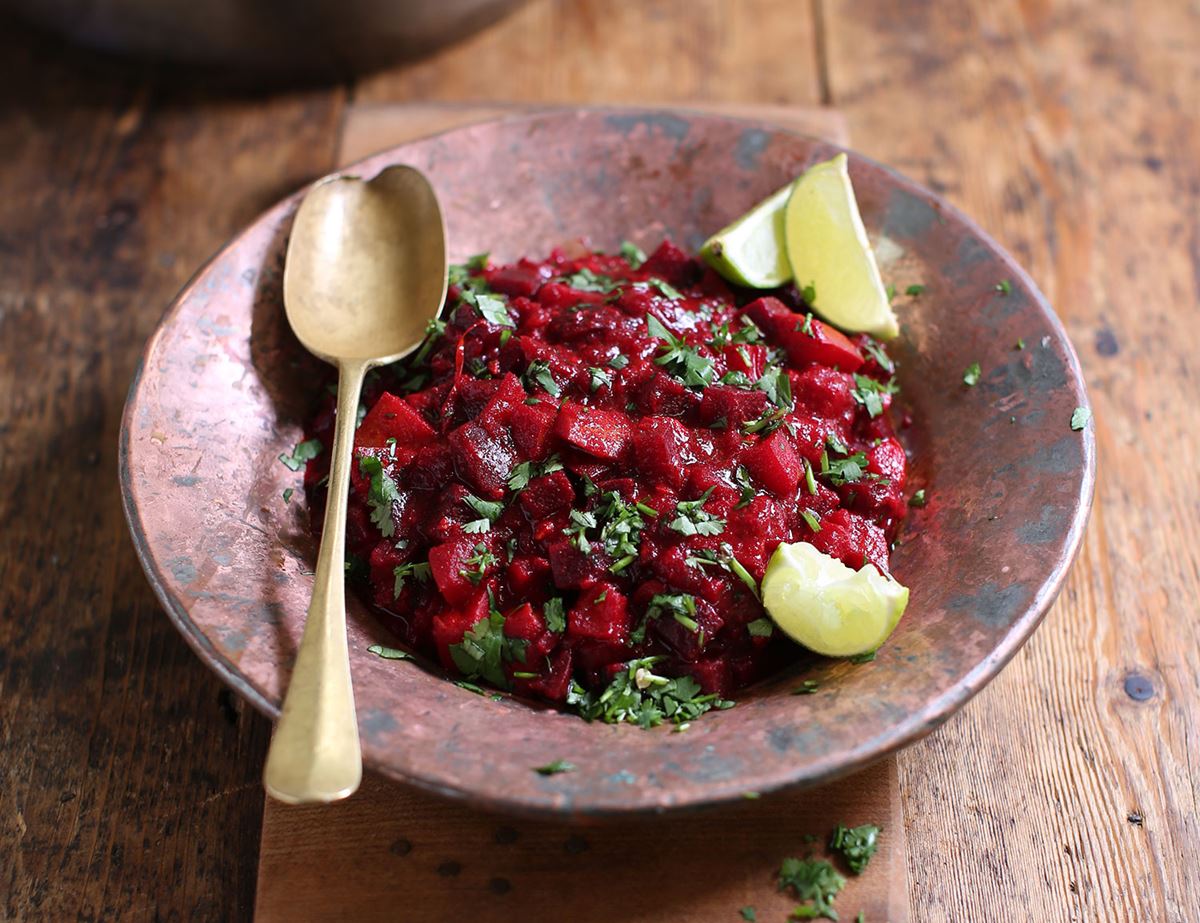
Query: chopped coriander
381	495
761	628
971	375
737	379
419	572
577	529
742	477
680	606
505	336
810	480
302	454
599	379
707	557
1079	418
806	325
843	470
882	359
639	696
869	393
478	262
856	844
808	687
494	310
478	564
488	509
1004	287
776	385
692	519
1020	343
811	519
918	499
471	687
539	373
554	612
815	882
389	653
768	422
679	358
749	914
618	361
862	658
633	254
553	769
861	918
914	291
524	674
809	294
484	650
587	281
665	289
525	472
891	293
477	526
751	795
287	494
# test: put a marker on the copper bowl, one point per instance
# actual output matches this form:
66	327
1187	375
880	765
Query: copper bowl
224	387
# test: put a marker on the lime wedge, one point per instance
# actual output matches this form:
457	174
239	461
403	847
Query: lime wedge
821	603
751	251
828	250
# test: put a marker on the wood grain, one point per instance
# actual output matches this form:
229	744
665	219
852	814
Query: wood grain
1069	130
129	777
391	853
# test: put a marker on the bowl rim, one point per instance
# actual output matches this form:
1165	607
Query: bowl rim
934	712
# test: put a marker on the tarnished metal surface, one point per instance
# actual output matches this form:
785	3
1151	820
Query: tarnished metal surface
224	387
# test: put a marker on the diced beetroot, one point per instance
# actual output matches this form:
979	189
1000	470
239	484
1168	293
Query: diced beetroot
883	496
557	679
748	358
497	414
824	344
529	577
572	569
774	463
432	467
659	446
672	264
672	566
532	426
663	395
482	460
713	676
450	626
546	494
523	278
601	614
849	537
393	418
824	392
526	624
731	406
448	563
602	433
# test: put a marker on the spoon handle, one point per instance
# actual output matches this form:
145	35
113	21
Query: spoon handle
315	754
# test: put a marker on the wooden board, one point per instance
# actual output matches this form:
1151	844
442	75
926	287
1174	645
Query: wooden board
390	853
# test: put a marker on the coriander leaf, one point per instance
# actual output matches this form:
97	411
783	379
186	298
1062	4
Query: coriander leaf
971	375
869	655
742	477
882	359
287	494
484	650
411	571
618	361
552	769
494	310
843	470
488	509
634	255
809	294
554	612
812	520
525	472
777	386
1079	418
808	687
761	628
599	379
856	844
891	293
918	499
1004	287
1020	343
810	480
666	289
679	358
389	653
478	564
692	519
737	379
914	290
381	494
814	882
869	393
539	373
587	281
302	454
749	914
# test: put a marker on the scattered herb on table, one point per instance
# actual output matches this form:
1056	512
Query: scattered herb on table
553	769
856	844
808	687
287	494
862	658
918	499
914	291
749	914
1004	287
389	653
815	883
971	375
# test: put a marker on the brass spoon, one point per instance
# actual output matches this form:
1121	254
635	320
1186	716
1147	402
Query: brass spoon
365	273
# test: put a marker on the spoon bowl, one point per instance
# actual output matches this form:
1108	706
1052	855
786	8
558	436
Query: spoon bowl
365	273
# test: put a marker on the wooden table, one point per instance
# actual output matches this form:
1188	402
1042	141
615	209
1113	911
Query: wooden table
1068	790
